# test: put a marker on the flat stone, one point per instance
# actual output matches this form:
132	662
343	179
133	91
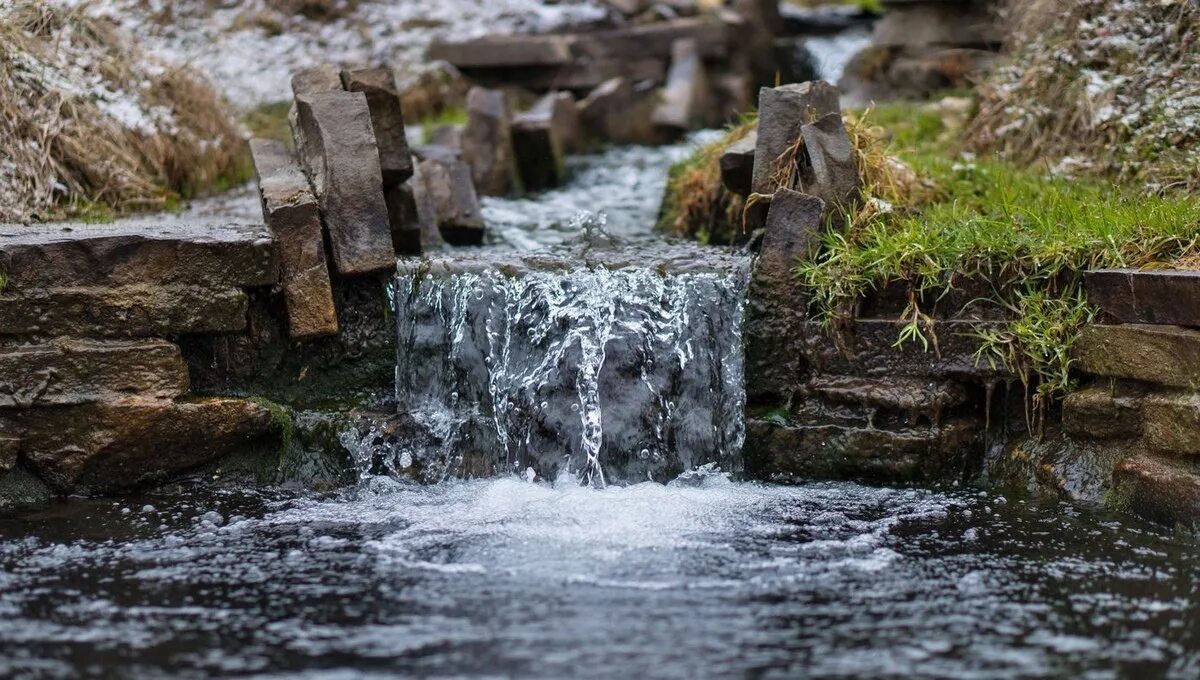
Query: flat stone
505	51
1171	423
337	148
292	213
737	165
1152	297
316	79
775	305
539	152
655	40
143	251
1158	490
1095	413
387	120
447	205
10	448
123	312
782	111
777	452
868	348
65	372
1166	355
914	395
830	173
563	113
115	445
584	74
686	101
487	143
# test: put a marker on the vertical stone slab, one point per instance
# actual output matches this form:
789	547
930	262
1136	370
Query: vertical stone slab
563	112
686	99
487	143
782	111
338	151
292	214
446	197
404	218
387	120
539	150
614	112
737	165
831	173
316	79
775	305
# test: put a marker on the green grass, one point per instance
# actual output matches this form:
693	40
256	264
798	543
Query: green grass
1029	236
270	121
449	116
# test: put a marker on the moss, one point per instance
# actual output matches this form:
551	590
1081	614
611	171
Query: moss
696	205
454	115
1028	235
281	416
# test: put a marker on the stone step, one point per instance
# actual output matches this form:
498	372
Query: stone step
136	252
869	349
1096	413
1152	297
66	372
917	395
774	450
96	448
137	311
1166	355
1159	490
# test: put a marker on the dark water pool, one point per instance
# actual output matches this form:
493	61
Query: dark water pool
503	578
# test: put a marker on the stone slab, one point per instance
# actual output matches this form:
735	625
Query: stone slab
737	165
105	447
1171	423
487	143
1158	490
830	172
655	40
447	205
66	372
1166	355
782	111
868	348
123	312
316	79
539	152
616	113
10	448
1096	413
136	252
1152	297
337	148
686	100
505	50
387	119
562	111
292	214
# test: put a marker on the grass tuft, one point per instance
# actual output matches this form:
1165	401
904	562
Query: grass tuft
696	204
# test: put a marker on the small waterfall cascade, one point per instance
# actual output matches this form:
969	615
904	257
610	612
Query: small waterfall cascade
600	365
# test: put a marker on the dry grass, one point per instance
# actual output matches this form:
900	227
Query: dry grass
88	121
696	204
1105	87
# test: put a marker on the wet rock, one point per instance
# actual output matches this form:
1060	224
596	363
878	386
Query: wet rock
1096	413
10	447
539	151
829	172
449	136
868	348
775	305
1171	423
950	453
1167	355
337	148
563	112
938	23
487	143
686	101
446	199
496	51
737	165
39	256
782	111
387	120
1148	297
403	216
656	40
65	372
21	489
1158	490
885	73
316	79
103	447
586	74
913	395
615	113
123	312
292	214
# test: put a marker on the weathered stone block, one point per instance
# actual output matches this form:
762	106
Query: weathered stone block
929	24
686	101
67	372
539	152
830	172
336	143
292	213
103	447
615	113
123	312
868	348
316	79
655	40
405	220
794	226
1096	413
10	448
917	396
1153	297
737	165
487	143
1167	355
505	51
387	120
136	252
446	199
782	111
1171	423
1163	491
563	113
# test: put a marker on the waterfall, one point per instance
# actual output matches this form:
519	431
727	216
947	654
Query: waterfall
620	366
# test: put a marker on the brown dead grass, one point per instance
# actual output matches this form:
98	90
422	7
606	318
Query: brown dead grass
87	121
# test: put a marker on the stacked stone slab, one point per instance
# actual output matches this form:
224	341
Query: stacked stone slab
93	387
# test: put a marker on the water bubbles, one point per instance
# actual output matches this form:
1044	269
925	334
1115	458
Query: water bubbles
574	408
644	454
